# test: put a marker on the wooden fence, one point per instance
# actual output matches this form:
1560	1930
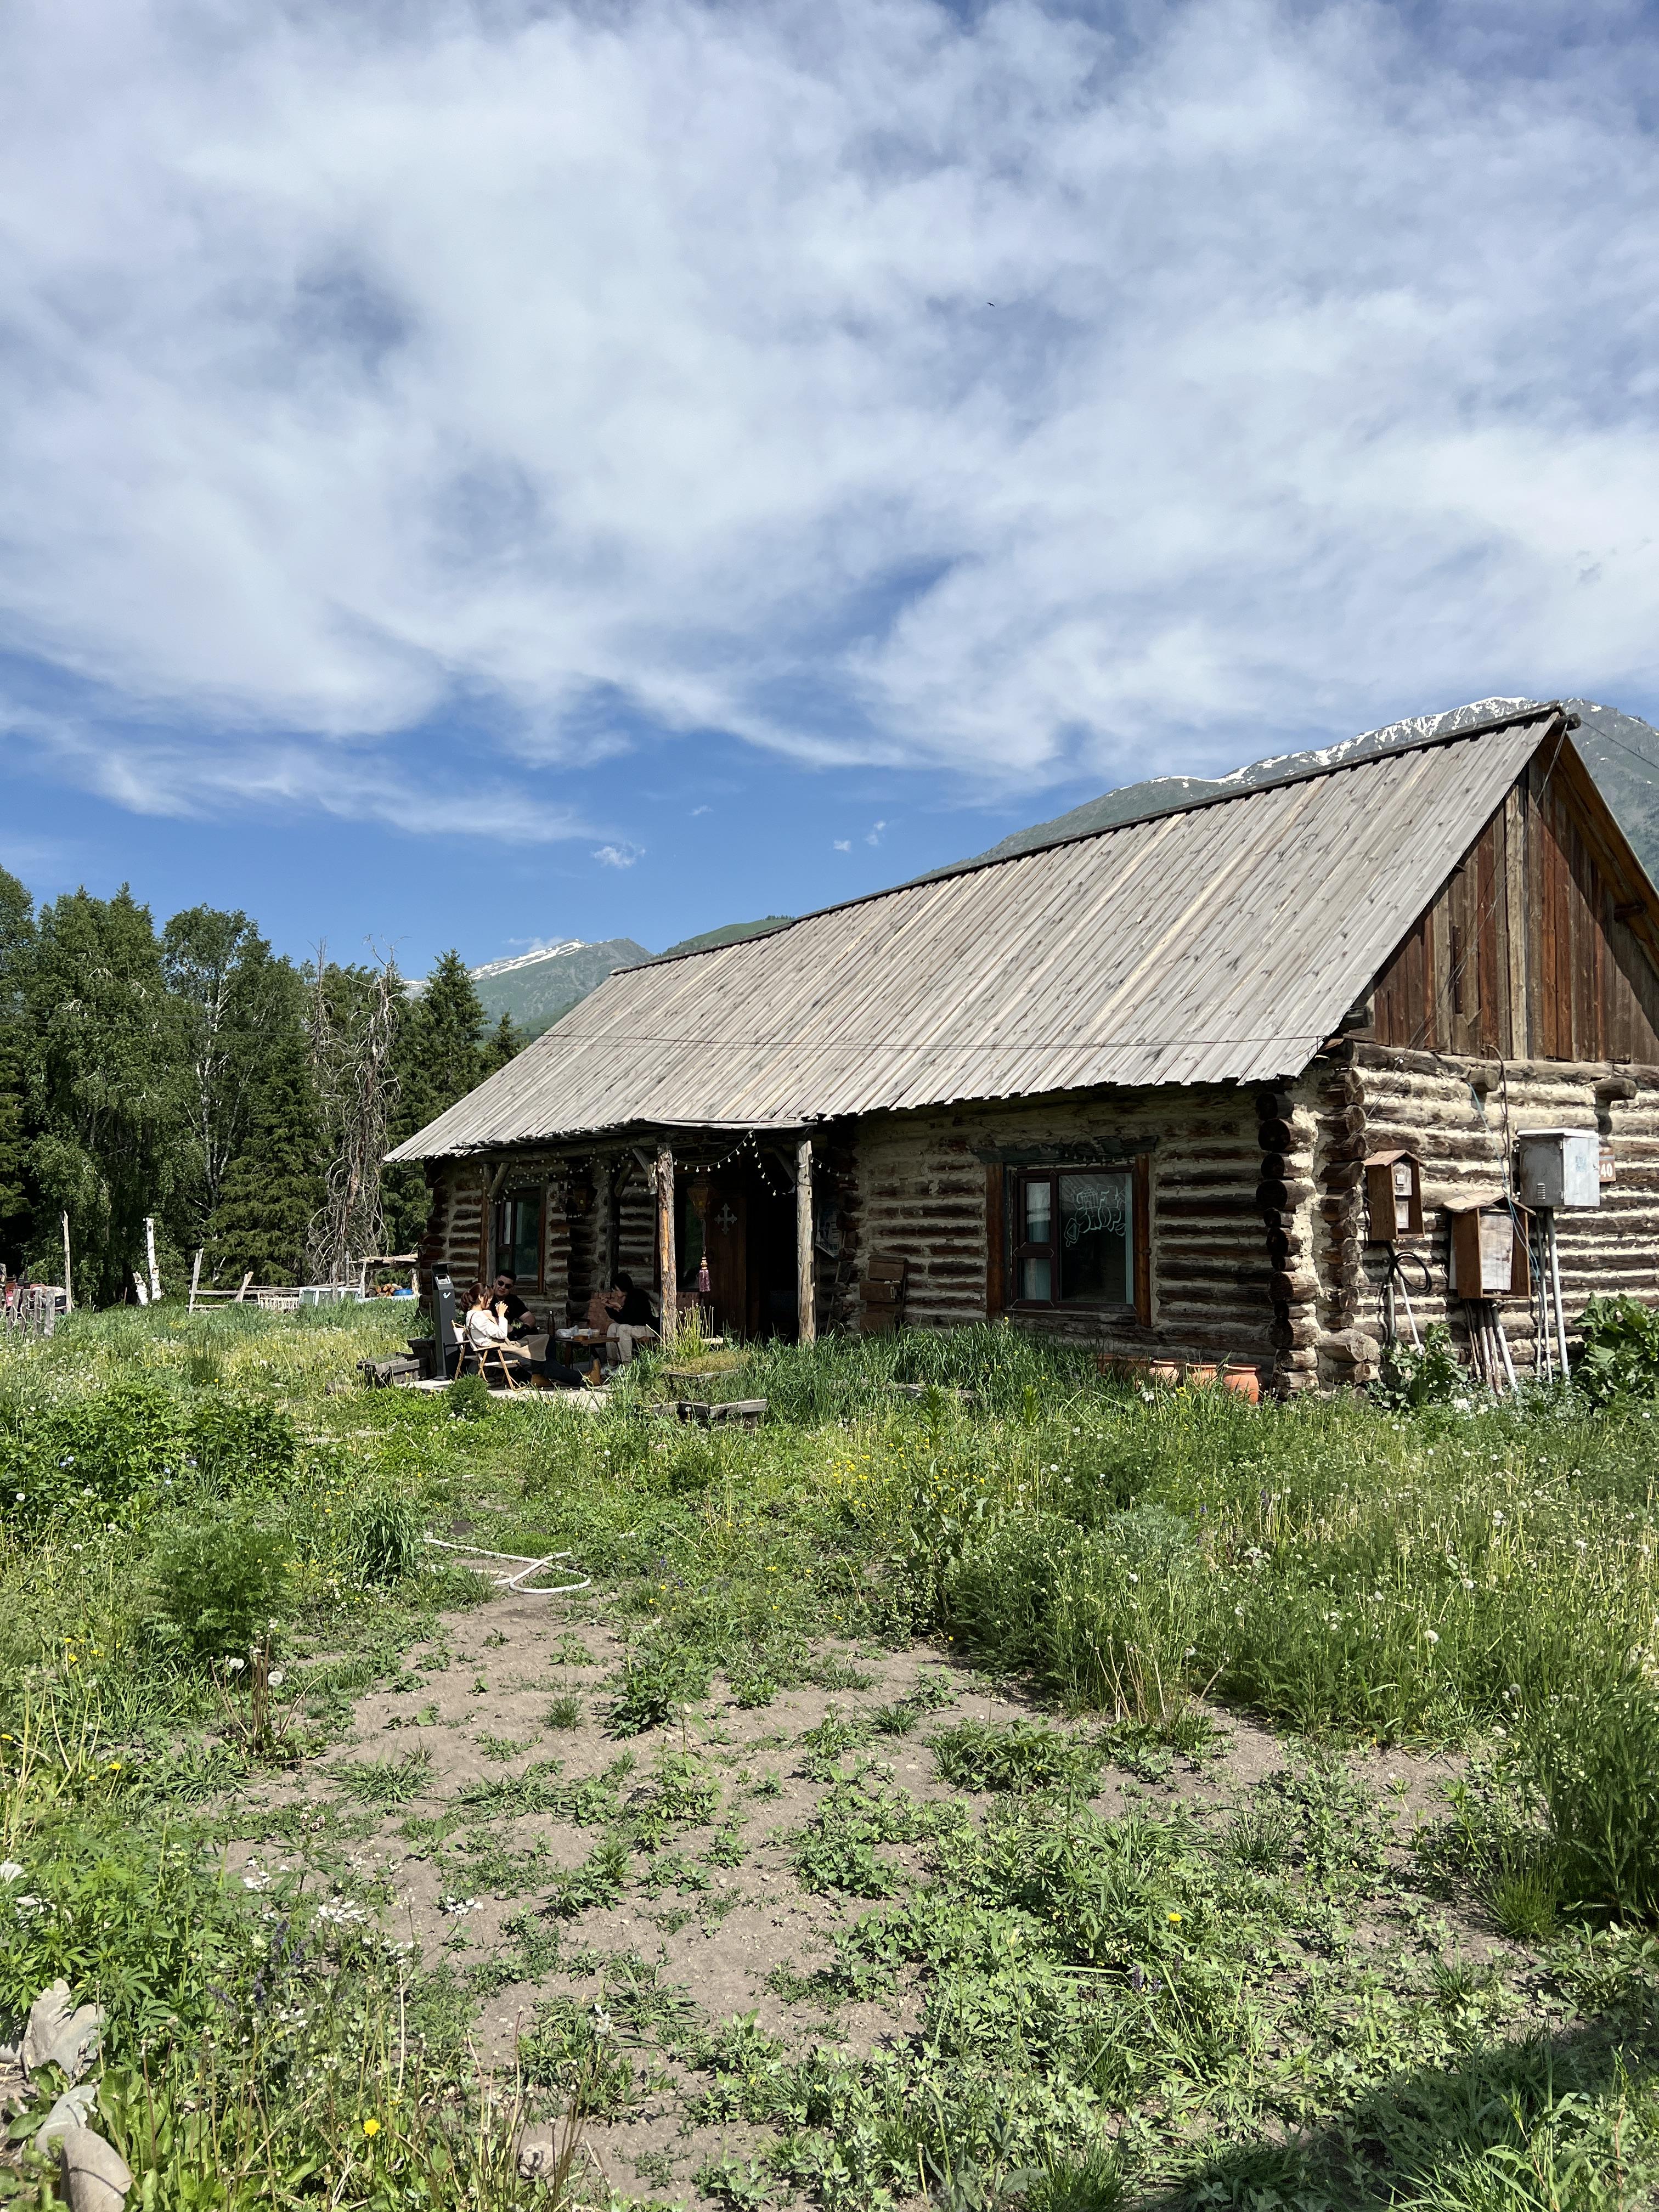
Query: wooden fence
32	1311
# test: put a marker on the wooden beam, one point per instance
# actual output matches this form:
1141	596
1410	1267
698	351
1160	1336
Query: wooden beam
195	1278
68	1285
666	1264
996	1240
806	1315
610	1224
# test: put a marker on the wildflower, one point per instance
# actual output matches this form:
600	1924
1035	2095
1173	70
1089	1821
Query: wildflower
1174	1920
10	1870
1430	1636
371	2127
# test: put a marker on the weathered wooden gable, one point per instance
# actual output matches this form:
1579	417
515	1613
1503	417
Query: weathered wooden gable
1542	943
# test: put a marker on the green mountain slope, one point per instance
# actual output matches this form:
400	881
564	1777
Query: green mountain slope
536	987
733	934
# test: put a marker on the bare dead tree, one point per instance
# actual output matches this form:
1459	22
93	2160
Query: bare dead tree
352	1026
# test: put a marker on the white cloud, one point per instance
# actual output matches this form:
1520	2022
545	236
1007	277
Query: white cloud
872	836
599	369
617	856
843	844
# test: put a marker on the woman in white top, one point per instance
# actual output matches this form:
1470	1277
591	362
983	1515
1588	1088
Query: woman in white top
486	1319
486	1329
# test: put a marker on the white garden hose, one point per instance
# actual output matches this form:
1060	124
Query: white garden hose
527	1568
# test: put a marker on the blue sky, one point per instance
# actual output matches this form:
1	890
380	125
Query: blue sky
485	474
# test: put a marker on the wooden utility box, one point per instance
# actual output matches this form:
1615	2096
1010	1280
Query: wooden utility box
1393	1195
886	1279
1488	1254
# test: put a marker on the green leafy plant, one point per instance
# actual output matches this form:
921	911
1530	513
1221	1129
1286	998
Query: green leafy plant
653	1684
467	1399
240	1441
1595	1751
1430	1374
1620	1357
217	1586
1014	1756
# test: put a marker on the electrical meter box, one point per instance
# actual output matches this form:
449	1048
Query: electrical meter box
1558	1167
1486	1257
1394	1196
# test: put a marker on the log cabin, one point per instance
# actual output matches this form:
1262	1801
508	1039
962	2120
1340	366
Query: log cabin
1219	1084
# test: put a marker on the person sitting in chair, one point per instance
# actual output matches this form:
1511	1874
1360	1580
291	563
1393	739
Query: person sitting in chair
520	1321
632	1320
487	1331
636	1310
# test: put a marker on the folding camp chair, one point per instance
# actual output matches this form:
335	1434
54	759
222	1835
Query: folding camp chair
512	1364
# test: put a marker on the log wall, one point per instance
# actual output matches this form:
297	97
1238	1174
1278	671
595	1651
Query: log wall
1461	1116
926	1191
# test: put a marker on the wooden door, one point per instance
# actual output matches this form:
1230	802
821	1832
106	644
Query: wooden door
726	1242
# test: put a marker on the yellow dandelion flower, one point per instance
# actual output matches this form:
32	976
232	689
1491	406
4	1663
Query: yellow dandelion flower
371	2127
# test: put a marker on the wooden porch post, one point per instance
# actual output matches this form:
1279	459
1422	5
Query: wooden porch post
666	1261
607	1255
807	1327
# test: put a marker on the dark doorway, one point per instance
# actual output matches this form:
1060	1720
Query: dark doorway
740	1221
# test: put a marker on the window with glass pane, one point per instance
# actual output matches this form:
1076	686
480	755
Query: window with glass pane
1097	1254
1073	1237
1037	1264
518	1237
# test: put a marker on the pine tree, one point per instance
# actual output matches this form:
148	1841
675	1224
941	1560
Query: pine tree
506	1041
439	1056
444	1042
273	1188
17	1194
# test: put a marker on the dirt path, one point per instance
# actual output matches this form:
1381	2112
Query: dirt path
435	1816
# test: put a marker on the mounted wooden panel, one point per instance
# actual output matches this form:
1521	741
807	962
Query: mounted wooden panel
1394	1196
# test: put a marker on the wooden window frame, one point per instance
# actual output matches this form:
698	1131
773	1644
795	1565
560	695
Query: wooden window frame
1005	1216
519	1193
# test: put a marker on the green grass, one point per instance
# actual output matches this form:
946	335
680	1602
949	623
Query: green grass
1105	2006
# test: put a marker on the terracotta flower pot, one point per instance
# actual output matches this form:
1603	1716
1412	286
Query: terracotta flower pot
1201	1371
1244	1379
1127	1366
1164	1374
